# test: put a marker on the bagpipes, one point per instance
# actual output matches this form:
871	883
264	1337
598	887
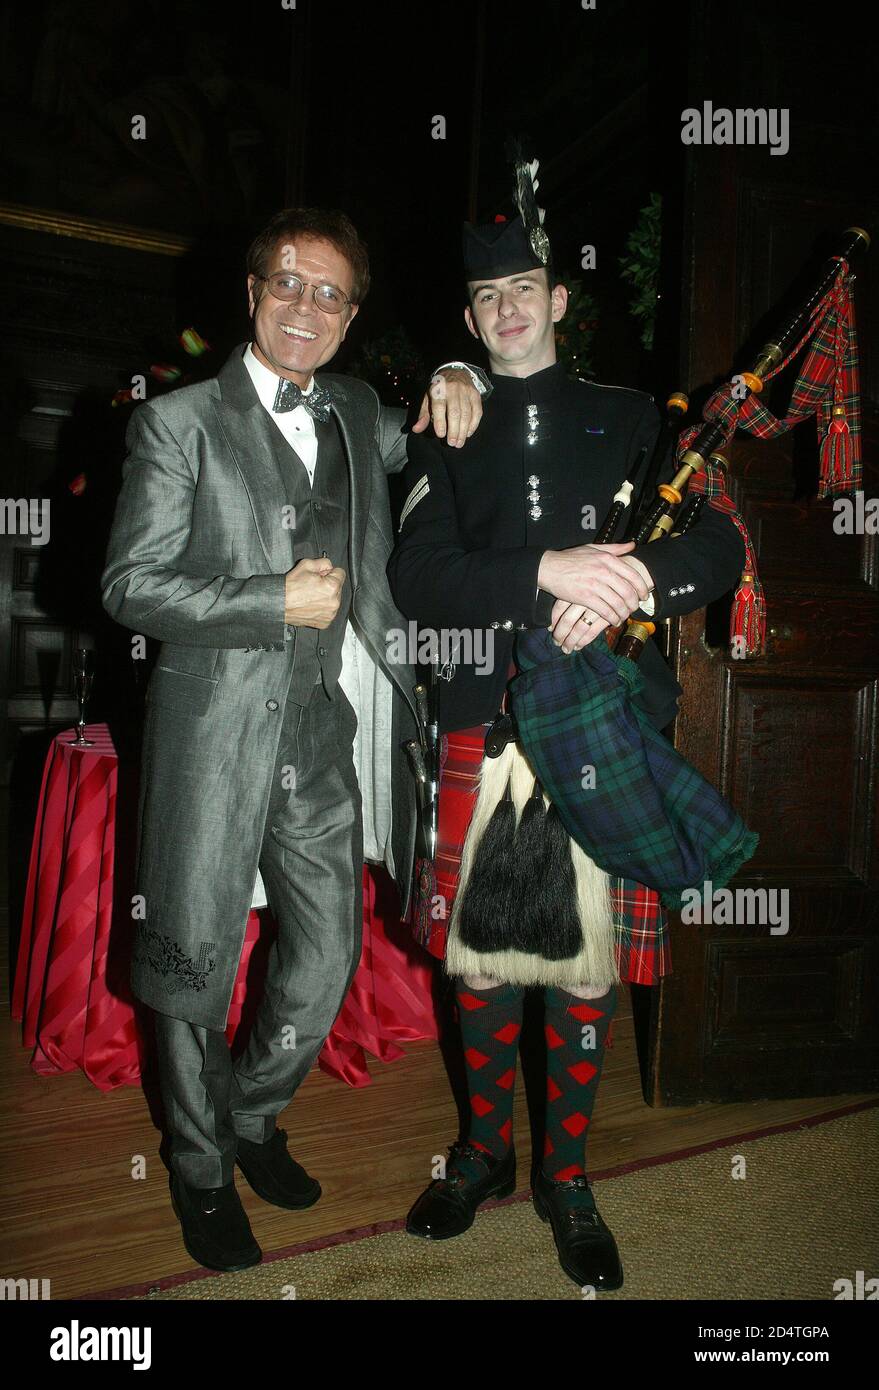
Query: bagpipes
533	902
827	386
651	816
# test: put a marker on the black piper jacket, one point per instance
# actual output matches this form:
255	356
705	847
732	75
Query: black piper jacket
539	474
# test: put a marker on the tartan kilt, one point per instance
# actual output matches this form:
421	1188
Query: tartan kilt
642	944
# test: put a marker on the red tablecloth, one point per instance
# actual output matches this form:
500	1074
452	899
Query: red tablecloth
71	987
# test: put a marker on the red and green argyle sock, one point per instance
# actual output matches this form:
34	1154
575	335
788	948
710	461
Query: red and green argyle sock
576	1032
491	1021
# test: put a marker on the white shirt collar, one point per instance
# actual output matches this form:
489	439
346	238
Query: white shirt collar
264	379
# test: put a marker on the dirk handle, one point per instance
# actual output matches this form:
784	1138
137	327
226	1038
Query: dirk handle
420	693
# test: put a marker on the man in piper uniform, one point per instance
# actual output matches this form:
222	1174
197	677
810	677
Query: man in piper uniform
496	536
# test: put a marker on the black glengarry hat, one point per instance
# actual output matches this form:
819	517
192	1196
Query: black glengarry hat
495	249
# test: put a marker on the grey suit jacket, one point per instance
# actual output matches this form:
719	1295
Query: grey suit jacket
197	558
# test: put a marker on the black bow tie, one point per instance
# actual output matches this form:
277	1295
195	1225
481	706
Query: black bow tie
317	402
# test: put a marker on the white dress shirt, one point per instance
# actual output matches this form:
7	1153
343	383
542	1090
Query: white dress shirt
297	426
365	684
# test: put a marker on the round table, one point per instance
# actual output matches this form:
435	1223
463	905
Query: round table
71	988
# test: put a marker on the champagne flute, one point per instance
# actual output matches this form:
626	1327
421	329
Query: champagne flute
83	675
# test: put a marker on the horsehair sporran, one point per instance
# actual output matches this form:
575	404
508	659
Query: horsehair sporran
596	962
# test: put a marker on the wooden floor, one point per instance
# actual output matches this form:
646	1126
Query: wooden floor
72	1213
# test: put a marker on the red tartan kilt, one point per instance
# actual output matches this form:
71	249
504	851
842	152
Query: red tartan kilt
640	920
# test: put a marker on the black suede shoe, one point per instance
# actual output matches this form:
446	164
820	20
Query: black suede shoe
274	1175
448	1206
587	1250
216	1231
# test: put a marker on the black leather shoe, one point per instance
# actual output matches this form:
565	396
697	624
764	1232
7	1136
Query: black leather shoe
274	1175
587	1250
216	1231
448	1206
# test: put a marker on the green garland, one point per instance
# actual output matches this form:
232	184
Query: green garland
575	333
641	266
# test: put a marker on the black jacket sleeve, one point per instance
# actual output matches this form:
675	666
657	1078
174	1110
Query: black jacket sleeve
433	577
691	571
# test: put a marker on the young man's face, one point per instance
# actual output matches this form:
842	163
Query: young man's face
514	317
295	337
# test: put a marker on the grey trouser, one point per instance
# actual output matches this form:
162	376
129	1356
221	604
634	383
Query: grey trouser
311	863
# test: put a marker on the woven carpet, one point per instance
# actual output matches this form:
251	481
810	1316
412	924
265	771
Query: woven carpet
779	1217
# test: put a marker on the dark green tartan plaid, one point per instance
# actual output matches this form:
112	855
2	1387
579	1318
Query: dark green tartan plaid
650	815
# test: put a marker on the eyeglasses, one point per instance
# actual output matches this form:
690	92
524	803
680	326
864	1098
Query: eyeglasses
290	288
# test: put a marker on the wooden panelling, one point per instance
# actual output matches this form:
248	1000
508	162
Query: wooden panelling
759	1001
793	538
799	770
41	654
790	737
24	568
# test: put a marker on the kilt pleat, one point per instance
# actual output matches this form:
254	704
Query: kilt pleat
640	920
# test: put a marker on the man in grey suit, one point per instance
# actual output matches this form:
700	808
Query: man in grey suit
251	537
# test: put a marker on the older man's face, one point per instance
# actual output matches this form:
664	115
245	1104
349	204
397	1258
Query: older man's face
294	338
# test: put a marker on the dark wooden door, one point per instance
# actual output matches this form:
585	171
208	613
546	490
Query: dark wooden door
790	738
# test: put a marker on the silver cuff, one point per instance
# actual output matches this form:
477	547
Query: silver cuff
479	378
